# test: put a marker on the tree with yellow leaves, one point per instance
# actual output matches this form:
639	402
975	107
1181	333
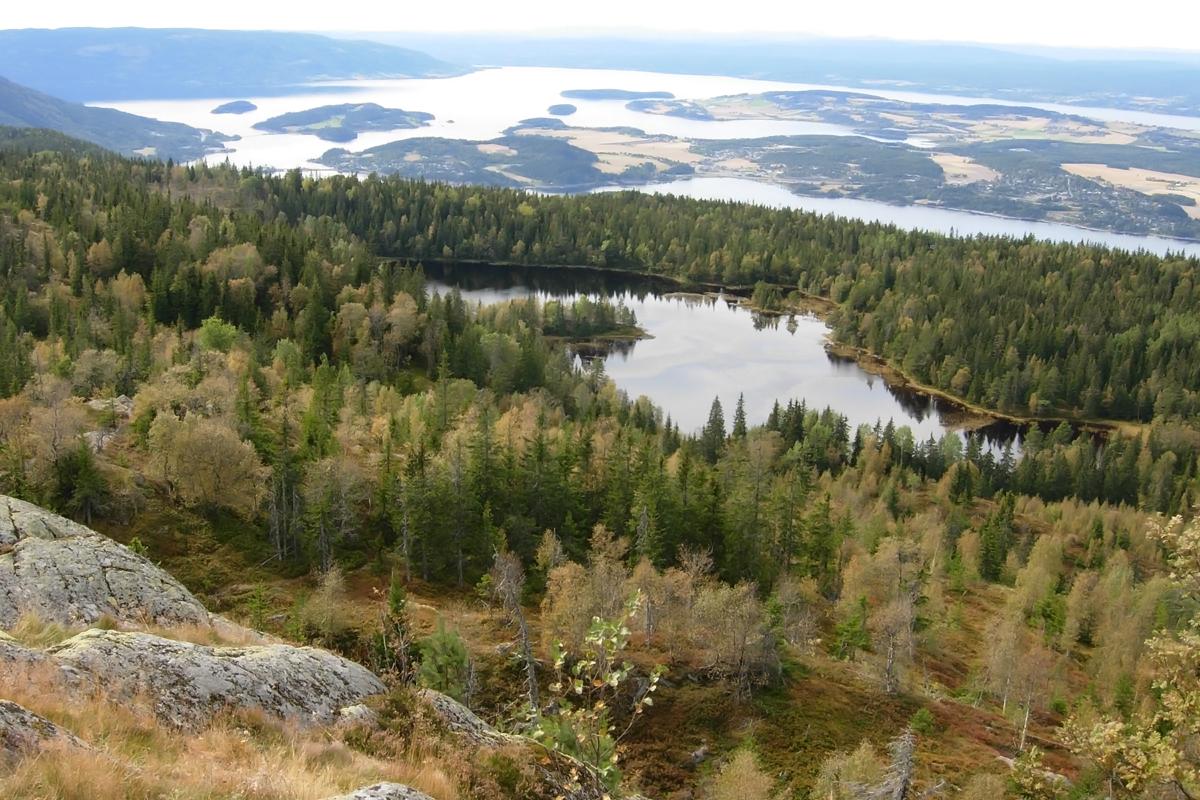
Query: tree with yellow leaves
1154	750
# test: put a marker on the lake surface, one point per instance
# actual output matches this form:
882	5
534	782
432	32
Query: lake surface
913	217
482	104
704	348
477	106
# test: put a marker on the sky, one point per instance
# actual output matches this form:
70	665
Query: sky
1154	24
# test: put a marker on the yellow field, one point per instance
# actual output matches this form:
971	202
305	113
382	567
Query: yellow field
1143	180
618	151
962	170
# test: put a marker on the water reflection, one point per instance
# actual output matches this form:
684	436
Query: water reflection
706	345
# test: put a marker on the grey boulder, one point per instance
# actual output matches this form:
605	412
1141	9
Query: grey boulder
357	716
13	653
189	683
384	791
463	721
23	733
65	572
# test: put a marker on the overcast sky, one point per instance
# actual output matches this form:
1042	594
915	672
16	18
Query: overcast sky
1170	24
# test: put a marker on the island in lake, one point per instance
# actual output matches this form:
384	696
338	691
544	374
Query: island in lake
1017	162
235	107
343	123
561	109
530	155
615	94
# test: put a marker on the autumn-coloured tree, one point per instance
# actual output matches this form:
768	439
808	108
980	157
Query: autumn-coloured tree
1153	749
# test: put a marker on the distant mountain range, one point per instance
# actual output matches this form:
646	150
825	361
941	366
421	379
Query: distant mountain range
129	134
86	64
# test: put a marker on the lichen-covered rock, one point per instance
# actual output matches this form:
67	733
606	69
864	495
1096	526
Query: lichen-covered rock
357	716
20	520
65	572
17	660
189	683
13	653
462	720
384	791
23	733
561	777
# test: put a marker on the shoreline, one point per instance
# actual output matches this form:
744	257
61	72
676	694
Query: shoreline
894	376
768	181
975	417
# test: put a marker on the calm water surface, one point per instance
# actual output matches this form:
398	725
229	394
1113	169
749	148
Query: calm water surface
704	348
476	106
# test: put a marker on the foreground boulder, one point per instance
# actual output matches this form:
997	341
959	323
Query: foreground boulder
561	777
189	683
463	721
23	733
384	791
65	572
14	654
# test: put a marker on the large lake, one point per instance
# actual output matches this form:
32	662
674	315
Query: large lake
482	104
704	347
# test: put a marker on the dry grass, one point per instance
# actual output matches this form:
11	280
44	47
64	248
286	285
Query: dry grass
33	631
245	755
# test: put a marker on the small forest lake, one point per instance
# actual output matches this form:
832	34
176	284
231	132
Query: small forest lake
702	346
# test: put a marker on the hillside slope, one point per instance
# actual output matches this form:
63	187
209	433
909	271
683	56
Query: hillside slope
127	63
129	134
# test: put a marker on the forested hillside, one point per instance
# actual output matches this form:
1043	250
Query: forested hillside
1019	326
216	367
115	130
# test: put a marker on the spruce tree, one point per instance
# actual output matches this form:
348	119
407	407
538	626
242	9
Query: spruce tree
712	438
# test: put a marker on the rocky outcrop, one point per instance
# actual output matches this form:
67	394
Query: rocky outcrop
23	733
357	716
561	776
98	440
121	405
13	653
189	683
65	572
463	721
384	791
28	664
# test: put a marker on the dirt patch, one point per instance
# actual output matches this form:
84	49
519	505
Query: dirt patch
496	149
961	170
510	175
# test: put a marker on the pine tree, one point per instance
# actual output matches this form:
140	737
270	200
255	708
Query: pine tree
446	664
